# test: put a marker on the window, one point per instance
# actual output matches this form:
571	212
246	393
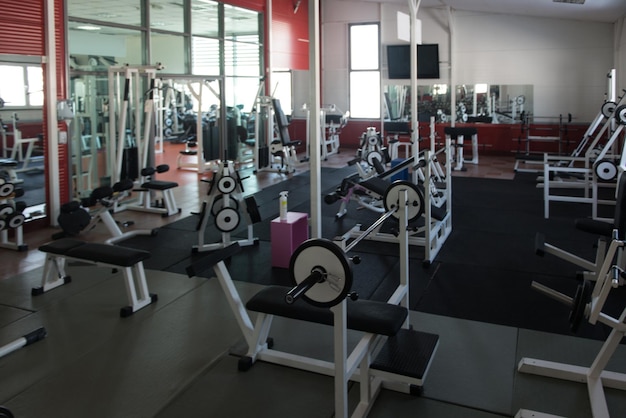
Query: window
21	85
281	89
365	71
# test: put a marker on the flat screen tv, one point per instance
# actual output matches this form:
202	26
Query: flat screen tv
399	57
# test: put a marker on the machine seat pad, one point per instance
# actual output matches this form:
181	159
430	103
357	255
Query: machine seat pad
293	143
159	185
595	226
362	315
7	162
377	185
456	132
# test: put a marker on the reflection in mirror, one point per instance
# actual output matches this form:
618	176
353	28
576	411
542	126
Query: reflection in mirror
474	103
21	132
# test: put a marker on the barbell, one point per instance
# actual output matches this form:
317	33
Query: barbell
320	269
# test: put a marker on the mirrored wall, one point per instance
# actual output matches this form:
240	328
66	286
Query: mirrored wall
482	103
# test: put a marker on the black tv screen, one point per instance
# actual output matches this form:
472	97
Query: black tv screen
399	57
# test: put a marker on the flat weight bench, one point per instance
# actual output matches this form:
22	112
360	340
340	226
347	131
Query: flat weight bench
129	260
458	135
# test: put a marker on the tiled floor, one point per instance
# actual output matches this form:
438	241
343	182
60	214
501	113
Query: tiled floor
190	193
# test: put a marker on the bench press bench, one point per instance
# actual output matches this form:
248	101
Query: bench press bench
129	260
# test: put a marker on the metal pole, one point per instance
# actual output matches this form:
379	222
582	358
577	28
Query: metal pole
314	125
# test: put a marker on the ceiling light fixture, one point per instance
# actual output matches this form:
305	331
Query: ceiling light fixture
570	1
88	27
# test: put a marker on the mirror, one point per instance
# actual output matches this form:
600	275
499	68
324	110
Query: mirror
474	103
21	132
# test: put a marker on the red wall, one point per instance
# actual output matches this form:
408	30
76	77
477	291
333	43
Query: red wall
290	35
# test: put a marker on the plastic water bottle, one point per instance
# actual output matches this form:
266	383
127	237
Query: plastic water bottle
283	205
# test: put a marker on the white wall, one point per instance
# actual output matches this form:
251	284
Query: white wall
566	61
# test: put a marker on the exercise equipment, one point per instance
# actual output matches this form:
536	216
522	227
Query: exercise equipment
12	216
458	136
372	149
149	186
225	196
589	167
530	133
128	260
603	229
27	339
588	304
431	200
274	148
5	412
74	217
17	149
384	357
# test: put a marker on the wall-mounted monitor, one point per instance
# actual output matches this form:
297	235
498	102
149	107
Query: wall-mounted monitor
399	58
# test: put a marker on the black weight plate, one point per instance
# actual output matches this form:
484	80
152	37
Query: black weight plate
579	305
253	209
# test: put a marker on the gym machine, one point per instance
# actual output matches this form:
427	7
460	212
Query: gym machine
603	229
274	150
332	121
201	158
322	276
430	195
225	195
588	303
599	168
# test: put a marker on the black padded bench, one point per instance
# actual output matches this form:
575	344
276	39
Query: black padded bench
406	352
362	315
169	206
457	135
129	260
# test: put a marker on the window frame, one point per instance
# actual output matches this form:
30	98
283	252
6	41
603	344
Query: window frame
27	87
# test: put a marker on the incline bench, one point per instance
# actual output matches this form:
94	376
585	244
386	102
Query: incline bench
129	260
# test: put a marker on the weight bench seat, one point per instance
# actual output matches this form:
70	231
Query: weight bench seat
130	260
362	315
159	185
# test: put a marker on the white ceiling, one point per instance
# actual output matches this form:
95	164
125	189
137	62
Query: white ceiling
591	10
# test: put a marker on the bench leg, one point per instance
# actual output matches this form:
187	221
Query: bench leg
53	275
169	203
136	290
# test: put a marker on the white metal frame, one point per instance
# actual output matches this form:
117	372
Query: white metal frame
595	376
347	365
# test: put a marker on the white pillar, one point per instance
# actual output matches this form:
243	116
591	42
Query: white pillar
314	124
52	120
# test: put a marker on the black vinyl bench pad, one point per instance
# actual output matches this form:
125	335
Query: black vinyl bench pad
362	315
96	252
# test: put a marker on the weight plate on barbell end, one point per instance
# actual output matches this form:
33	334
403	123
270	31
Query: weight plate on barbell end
620	114
415	197
520	100
582	297
226	184
6	210
372	139
169	122
220	202
606	170
374	155
462	108
608	108
227	219
443	117
317	253
16	220
168	132
6	189
464	117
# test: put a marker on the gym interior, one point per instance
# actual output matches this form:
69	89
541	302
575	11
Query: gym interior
235	208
